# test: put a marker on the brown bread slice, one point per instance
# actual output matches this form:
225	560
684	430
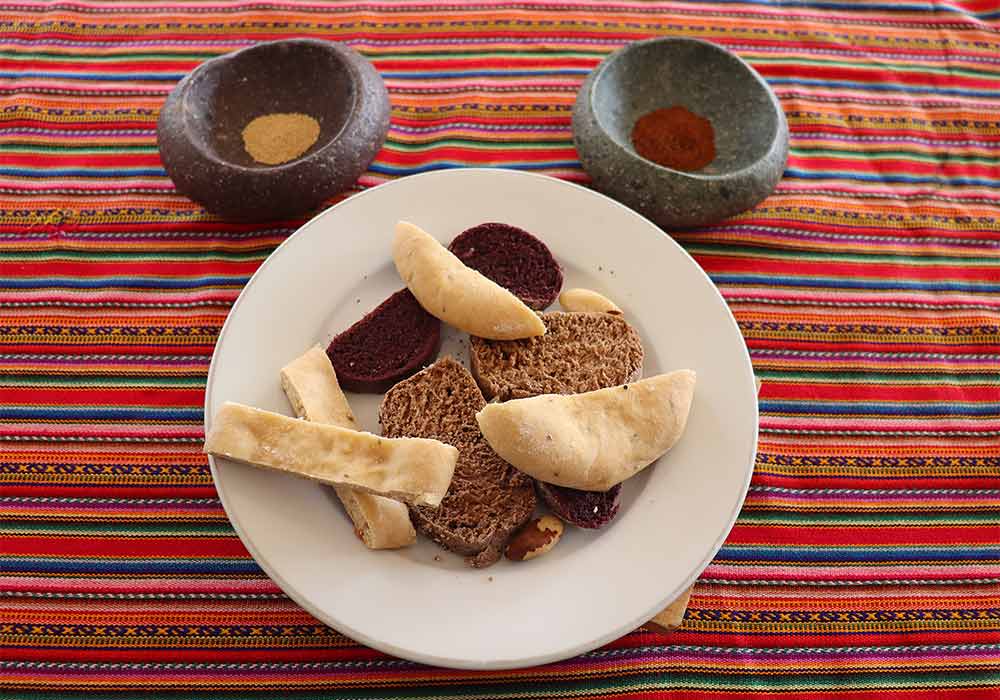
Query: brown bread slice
488	498
580	351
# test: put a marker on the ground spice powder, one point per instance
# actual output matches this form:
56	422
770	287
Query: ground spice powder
273	139
675	137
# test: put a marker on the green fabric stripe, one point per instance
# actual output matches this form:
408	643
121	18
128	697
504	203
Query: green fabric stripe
854	154
667	679
113	528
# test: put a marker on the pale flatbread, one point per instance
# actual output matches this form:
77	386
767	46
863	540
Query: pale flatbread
594	440
457	294
414	470
311	385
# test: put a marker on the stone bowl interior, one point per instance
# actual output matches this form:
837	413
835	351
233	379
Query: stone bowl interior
270	78
699	76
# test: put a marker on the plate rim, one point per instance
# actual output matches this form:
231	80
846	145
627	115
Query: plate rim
458	663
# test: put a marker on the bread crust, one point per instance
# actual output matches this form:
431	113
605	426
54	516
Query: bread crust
413	470
581	351
488	499
310	383
455	293
594	440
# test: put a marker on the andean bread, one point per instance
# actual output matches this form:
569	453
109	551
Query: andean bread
512	258
579	299
579	352
587	509
310	384
594	440
457	294
413	470
390	343
488	498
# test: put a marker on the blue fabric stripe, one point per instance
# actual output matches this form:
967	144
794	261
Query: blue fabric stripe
843	283
869	177
148	565
895	409
133	413
84	172
143	282
450	165
811	553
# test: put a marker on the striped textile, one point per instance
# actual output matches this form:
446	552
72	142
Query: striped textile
866	563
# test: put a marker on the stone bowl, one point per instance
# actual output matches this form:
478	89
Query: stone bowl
200	127
751	133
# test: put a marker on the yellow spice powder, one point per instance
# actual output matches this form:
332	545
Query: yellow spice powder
273	139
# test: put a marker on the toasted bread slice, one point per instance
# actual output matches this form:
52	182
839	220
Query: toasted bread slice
580	351
488	498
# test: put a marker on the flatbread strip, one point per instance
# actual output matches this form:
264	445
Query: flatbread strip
311	385
672	616
413	470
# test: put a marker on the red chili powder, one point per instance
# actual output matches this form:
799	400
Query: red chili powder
676	138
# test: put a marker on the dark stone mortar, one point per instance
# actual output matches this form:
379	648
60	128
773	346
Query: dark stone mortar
751	133
201	124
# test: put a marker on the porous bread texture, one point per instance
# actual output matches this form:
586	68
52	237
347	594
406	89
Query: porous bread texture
488	498
580	351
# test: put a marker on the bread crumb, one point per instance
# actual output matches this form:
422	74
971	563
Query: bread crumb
437	557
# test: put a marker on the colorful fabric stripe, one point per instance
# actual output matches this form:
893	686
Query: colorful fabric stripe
866	560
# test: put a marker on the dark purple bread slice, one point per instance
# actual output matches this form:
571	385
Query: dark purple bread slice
488	499
512	258
580	351
588	509
387	345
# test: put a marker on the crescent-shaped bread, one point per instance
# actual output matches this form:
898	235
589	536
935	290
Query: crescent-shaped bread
457	294
594	440
578	299
414	470
311	385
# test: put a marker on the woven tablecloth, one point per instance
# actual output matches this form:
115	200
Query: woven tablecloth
866	561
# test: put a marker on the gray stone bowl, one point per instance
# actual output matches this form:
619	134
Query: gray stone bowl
200	127
751	133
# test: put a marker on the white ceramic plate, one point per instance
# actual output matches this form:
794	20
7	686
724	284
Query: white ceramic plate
422	603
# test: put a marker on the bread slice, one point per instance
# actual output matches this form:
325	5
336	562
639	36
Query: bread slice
411	470
390	343
580	351
512	258
488	498
587	509
310	384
